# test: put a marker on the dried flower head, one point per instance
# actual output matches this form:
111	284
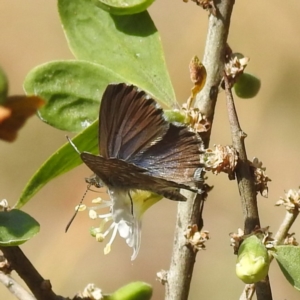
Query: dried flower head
195	119
91	292
196	238
5	266
162	276
208	5
237	238
290	240
4	205
220	159
261	179
291	200
235	65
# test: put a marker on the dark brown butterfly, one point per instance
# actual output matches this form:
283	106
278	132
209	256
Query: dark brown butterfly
140	149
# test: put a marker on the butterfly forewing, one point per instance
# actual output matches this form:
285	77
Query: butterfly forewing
129	122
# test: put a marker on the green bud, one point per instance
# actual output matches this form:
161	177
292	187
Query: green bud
174	116
3	86
247	86
253	260
133	291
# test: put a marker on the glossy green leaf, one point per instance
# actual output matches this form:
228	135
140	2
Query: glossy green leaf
72	90
124	7
127	45
62	161
3	86
16	227
288	258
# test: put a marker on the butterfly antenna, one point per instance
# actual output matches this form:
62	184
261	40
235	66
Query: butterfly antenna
78	206
73	145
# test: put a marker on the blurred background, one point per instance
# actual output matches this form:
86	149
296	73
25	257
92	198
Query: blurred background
265	31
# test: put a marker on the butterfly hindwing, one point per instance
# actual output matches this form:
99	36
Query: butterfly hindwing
118	173
176	157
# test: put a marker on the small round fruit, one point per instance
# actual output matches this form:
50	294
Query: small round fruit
247	86
252	261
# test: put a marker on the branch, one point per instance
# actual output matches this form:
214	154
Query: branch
285	226
248	292
244	176
18	291
40	287
245	184
183	257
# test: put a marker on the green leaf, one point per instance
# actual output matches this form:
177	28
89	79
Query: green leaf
62	161
132	291
3	86
123	7
252	261
288	258
127	45
72	90
16	227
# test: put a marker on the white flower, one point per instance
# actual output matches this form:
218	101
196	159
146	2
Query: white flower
125	211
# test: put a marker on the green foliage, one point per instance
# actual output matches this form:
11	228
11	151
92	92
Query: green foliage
288	258
123	7
3	86
62	161
132	291
72	89
129	46
16	227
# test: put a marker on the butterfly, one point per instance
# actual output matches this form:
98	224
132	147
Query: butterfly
140	150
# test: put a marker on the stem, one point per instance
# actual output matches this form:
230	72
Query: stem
14	287
244	176
248	292
183	258
40	287
285	226
245	184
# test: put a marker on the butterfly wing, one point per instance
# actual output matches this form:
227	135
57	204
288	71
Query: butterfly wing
176	157
129	122
119	174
